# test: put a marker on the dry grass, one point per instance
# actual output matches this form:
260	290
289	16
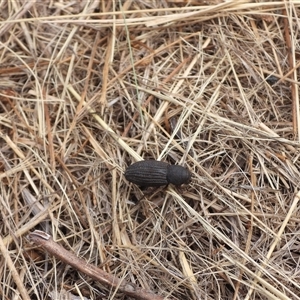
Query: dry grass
88	87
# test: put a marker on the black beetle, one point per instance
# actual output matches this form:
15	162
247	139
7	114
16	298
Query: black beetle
149	173
272	79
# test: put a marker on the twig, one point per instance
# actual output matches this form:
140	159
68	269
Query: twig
45	241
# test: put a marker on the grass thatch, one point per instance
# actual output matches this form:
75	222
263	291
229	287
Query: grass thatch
88	87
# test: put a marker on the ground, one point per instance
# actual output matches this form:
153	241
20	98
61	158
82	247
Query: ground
89	87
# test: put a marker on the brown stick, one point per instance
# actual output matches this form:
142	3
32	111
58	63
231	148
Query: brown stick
45	241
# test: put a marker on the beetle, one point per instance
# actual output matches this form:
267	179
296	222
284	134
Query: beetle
150	173
272	79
